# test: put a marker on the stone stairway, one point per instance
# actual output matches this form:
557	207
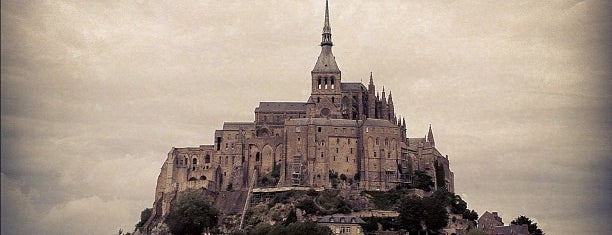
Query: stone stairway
248	198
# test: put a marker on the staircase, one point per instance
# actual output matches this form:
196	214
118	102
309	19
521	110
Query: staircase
247	202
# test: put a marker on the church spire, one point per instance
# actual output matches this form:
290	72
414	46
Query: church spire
430	137
326	63
326	36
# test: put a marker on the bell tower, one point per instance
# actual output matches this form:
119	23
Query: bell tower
325	97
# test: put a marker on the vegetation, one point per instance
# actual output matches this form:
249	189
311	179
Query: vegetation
271	179
191	214
385	200
423	181
308	206
333	178
457	204
531	226
475	231
334	203
372	223
430	211
144	216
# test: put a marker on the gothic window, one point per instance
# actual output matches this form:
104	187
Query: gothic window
346	158
376	140
325	83
332	83
319	85
195	161
333	99
257	157
207	159
389	155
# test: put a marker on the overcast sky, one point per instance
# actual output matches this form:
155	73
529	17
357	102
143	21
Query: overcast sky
94	95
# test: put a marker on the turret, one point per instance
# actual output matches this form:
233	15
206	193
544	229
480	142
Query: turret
430	137
371	98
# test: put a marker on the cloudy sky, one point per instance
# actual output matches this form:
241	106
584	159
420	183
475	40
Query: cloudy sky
94	95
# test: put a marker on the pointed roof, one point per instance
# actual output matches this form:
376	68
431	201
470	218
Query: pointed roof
327	61
430	137
390	98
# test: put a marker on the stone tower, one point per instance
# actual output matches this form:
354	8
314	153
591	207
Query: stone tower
325	98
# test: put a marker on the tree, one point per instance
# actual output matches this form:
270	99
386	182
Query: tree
423	181
475	231
291	218
191	214
532	227
434	214
299	228
144	216
410	214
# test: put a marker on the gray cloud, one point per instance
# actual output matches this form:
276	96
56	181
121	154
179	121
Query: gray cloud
94	94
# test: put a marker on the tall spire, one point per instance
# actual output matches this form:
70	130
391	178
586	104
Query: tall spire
326	37
326	62
430	137
371	79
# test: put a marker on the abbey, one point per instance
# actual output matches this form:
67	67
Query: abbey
346	135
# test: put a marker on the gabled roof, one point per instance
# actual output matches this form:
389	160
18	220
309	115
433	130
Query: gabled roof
281	106
352	86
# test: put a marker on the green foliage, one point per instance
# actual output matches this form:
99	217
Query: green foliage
475	231
144	216
308	206
299	228
291	218
282	197
330	200
434	214
191	214
422	181
470	215
385	200
333	178
410	214
271	178
531	226
312	193
261	229
372	223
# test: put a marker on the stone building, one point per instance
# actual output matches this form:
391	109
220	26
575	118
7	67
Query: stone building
342	225
344	131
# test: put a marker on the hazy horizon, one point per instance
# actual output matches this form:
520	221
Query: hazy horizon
95	94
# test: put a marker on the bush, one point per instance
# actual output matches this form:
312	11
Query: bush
191	214
308	206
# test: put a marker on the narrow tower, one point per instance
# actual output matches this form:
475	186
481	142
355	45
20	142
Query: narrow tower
326	80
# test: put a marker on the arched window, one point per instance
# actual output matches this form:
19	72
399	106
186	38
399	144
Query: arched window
325	83
257	156
207	159
319	85
203	177
332	83
195	161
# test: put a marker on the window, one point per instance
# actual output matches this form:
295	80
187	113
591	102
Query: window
207	159
318	129
337	140
195	161
333	99
336	150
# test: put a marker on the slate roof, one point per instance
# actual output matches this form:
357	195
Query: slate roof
326	61
340	219
281	106
352	86
238	125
